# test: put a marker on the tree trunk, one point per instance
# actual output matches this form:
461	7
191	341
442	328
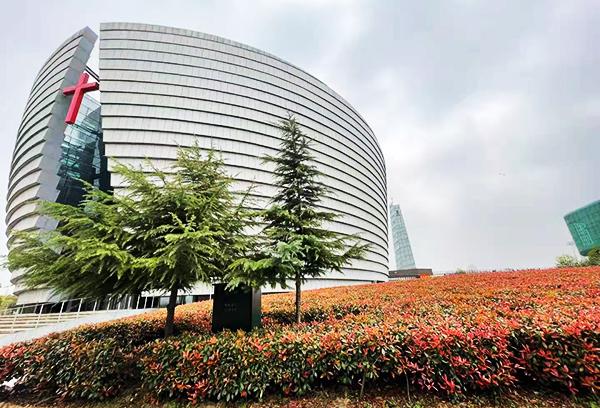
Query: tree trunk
298	297
171	312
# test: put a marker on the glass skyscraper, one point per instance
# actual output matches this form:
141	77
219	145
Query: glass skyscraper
82	155
584	226
402	249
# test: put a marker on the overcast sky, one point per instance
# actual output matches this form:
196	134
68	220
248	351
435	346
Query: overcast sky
488	112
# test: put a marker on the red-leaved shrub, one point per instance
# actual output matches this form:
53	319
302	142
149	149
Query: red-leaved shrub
451	335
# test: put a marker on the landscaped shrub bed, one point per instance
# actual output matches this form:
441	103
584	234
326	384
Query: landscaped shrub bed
454	335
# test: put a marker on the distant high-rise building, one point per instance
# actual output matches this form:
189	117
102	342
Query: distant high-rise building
402	249
584	226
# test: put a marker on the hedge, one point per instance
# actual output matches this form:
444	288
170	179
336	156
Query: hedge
454	335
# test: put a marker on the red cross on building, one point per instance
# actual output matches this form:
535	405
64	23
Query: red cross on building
81	87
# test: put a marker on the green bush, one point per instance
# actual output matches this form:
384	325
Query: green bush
7	301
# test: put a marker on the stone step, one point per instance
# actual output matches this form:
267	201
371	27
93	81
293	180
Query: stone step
16	323
42	317
52	314
8	337
32	324
31	316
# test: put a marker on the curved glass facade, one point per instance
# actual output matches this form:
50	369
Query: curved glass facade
82	157
162	87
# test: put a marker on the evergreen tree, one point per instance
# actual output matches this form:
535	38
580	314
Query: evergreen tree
296	243
165	231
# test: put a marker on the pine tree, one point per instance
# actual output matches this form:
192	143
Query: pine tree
296	244
165	231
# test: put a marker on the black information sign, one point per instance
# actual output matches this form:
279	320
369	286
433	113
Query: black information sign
235	309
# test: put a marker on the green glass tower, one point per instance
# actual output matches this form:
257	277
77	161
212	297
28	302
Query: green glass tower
584	225
402	248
